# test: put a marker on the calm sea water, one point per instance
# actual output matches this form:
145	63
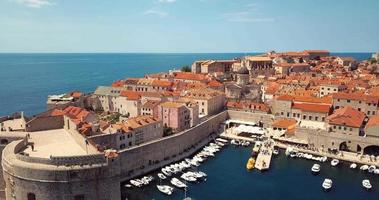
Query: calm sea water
27	79
287	179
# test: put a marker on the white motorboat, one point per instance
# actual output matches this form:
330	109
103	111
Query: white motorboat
316	168
195	174
176	182
327	184
161	176
364	167
166	172
188	177
288	151
334	162
136	183
376	171
222	140
234	142
371	169
128	185
366	184
324	159
165	189
353	166
203	174
246	144
275	152
293	154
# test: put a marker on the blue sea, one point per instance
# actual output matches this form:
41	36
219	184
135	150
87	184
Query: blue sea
27	79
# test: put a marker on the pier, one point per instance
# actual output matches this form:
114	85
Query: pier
264	157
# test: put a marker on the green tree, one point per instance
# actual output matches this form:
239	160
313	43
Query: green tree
167	130
186	68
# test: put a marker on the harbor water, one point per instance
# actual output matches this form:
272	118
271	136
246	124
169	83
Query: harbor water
287	178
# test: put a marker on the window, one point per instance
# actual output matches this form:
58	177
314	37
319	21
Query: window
282	113
368	112
348	101
351	129
323	119
31	196
294	115
316	118
304	117
338	100
310	117
373	112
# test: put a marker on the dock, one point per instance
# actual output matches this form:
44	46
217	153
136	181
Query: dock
264	157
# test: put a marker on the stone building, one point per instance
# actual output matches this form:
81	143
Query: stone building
346	120
368	104
258	65
210	101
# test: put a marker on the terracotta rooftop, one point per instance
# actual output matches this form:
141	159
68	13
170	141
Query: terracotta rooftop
347	116
318	108
373	121
130	95
189	76
284	123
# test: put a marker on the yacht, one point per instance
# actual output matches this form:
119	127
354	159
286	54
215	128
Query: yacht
353	166
323	159
162	176
327	184
222	140
166	171
165	189
371	169
203	174
188	177
316	168
334	162
366	184
136	183
292	154
364	167
178	183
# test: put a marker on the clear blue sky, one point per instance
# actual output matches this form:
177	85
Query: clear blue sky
188	25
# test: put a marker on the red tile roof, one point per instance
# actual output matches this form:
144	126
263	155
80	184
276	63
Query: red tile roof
284	123
347	116
130	95
189	76
373	121
318	108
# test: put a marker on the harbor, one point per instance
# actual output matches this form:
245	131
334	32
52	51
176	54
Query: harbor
228	178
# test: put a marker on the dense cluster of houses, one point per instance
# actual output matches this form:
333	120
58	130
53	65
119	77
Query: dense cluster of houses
309	89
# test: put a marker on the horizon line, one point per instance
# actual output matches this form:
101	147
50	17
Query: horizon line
115	52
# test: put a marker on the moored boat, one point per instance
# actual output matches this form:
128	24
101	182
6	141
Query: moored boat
316	168
161	176
366	184
165	189
334	162
176	182
250	163
353	166
327	184
364	167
